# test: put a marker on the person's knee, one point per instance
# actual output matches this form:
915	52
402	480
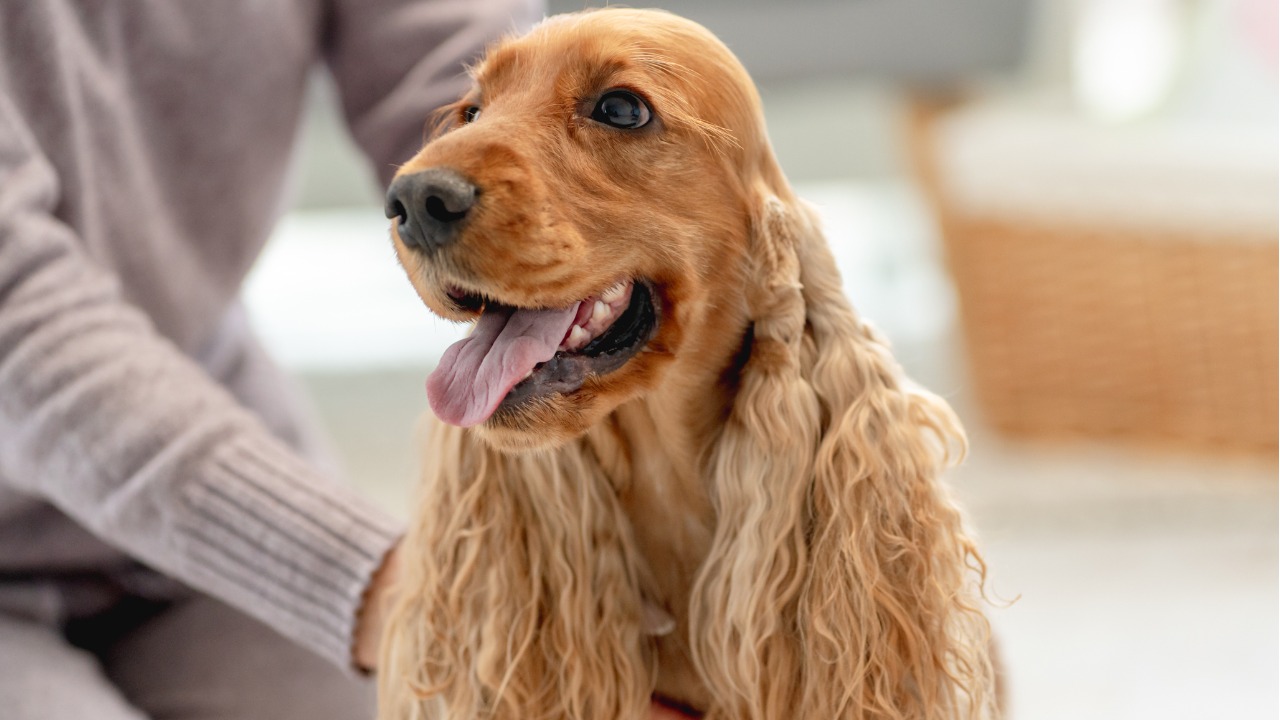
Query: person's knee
203	656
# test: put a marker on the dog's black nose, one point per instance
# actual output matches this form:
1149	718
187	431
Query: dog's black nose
429	206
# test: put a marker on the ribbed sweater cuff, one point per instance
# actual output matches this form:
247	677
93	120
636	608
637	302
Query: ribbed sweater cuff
267	533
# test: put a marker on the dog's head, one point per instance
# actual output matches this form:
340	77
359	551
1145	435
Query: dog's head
588	203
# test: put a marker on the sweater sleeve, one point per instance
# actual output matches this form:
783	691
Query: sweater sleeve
107	420
396	61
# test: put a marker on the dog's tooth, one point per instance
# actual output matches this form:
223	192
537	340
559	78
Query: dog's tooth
599	314
578	337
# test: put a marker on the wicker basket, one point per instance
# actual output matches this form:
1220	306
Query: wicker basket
1078	325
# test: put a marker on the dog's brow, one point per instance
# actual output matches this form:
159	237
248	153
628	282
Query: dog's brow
637	65
499	63
603	74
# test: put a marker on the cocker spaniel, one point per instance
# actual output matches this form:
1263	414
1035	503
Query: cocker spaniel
673	460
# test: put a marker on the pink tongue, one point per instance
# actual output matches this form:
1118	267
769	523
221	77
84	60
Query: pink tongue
479	370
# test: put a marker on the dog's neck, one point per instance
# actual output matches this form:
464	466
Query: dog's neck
655	450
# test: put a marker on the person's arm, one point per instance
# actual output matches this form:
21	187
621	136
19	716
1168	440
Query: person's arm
396	61
107	420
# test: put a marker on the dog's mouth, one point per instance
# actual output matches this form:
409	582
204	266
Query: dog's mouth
515	355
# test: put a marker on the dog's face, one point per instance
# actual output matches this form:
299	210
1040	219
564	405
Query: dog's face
588	203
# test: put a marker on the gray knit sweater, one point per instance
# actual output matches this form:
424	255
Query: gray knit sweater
143	150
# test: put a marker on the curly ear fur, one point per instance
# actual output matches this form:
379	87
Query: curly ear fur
520	601
838	583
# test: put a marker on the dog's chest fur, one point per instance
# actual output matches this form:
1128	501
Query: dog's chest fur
672	521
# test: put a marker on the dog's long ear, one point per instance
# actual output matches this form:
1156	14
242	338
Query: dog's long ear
518	594
839	559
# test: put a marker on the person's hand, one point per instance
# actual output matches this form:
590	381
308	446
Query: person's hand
372	616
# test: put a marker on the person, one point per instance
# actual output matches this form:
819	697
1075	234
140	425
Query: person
164	503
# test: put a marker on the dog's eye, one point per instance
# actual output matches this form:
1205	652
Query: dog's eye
470	113
621	109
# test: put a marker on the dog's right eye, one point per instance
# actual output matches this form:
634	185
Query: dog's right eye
621	109
470	113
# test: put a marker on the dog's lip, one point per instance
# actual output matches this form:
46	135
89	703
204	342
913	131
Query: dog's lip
470	301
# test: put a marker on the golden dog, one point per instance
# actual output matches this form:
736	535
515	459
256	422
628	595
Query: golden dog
673	460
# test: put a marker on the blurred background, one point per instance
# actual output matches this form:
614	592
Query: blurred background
1064	215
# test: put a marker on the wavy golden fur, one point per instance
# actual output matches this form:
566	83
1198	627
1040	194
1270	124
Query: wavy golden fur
761	471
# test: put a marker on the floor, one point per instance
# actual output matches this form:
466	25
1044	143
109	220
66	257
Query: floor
1143	584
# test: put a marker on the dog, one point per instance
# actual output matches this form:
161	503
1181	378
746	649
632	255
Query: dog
672	461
